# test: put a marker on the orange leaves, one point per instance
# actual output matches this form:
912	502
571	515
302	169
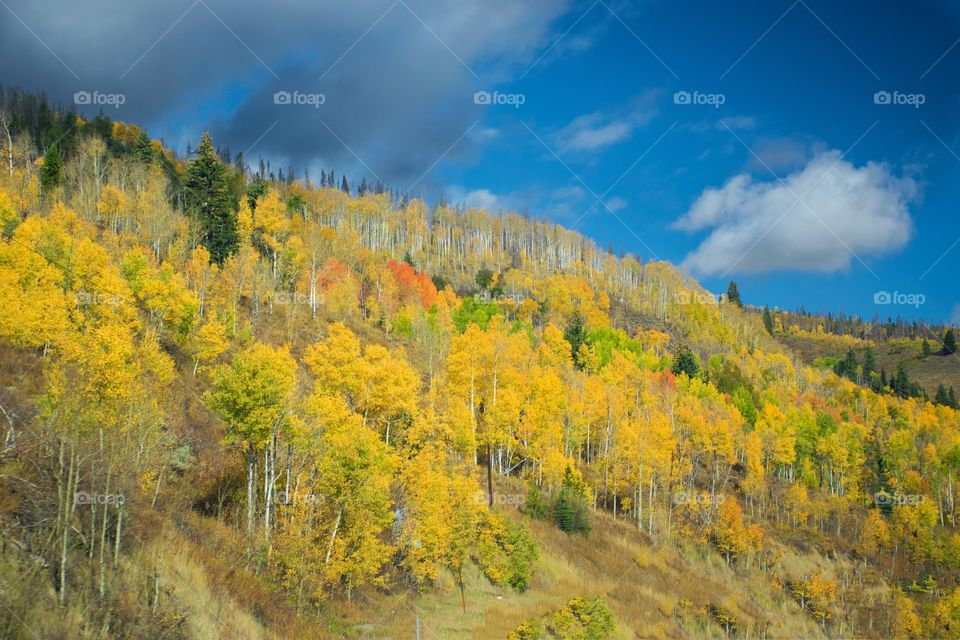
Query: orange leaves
332	272
412	286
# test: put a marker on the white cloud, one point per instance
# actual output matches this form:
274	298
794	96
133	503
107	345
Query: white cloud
475	199
616	204
485	134
761	226
594	132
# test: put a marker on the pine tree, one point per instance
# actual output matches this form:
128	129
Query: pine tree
848	366
344	186
768	320
576	335
925	348
208	199
883	377
143	149
901	382
953	399
684	361
942	398
51	174
571	513
733	294
869	363
949	342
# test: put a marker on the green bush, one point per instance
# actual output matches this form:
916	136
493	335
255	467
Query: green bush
571	510
536	506
506	552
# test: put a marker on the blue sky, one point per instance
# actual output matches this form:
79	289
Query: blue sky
781	170
798	92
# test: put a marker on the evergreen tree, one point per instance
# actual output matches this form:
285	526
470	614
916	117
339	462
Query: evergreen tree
901	382
883	377
953	398
576	335
571	512
768	320
51	174
208	200
925	348
848	366
942	397
949	342
684	361
344	186
143	149
869	363
733	294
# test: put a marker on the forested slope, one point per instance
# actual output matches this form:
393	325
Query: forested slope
239	406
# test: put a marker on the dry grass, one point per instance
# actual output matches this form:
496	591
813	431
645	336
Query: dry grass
655	590
929	371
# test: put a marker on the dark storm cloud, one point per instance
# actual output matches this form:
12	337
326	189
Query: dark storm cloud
398	92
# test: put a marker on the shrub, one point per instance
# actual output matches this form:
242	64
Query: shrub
583	618
506	551
571	511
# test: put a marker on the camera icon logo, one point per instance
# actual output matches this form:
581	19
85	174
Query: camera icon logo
282	97
681	97
482	97
881	97
82	97
882	498
882	297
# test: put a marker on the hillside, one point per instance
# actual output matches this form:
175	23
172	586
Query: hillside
930	371
244	407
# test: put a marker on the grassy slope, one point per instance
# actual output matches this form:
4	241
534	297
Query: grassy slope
929	371
655	590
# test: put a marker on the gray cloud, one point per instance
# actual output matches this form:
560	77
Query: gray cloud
398	94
